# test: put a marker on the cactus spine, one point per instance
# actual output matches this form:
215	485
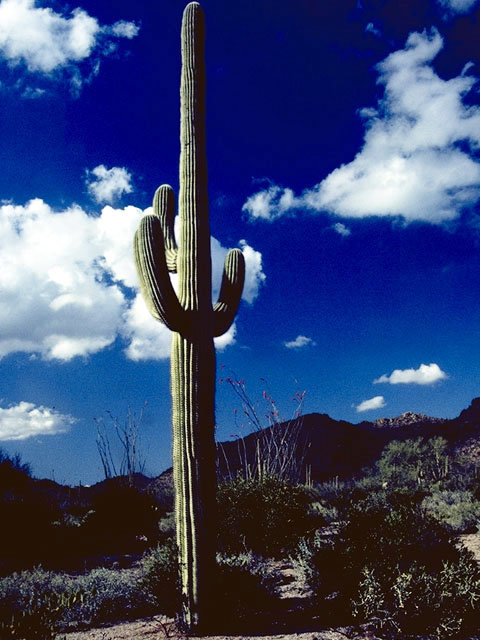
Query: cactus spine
194	323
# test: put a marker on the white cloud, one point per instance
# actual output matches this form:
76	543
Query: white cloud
457	6
254	275
148	339
124	29
26	420
341	229
418	158
378	402
69	288
271	203
105	185
42	41
425	374
227	339
61	277
299	343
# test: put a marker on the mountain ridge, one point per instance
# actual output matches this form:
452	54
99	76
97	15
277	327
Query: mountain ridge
331	448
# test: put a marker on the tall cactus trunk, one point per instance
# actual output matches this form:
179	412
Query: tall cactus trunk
192	370
195	323
193	356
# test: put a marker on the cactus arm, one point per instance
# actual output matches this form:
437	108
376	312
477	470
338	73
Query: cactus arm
230	292
152	271
164	209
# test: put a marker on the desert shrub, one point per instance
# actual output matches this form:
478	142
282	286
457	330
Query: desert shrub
108	595
265	516
244	588
311	560
26	531
241	584
414	463
26	516
38	604
160	581
324	513
333	496
458	510
167	526
33	605
122	519
394	565
418	601
13	472
390	530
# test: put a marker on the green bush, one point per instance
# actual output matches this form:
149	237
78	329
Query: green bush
395	566
27	529
458	510
13	472
244	588
241	584
33	605
265	516
159	580
108	595
121	518
167	527
419	601
37	604
414	463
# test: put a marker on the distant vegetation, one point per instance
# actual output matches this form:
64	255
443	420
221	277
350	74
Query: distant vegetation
379	550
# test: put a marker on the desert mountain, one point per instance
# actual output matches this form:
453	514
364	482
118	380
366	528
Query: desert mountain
330	448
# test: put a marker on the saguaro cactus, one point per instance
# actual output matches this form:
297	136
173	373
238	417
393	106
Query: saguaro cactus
194	322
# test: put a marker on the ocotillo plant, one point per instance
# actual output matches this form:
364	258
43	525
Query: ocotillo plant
194	322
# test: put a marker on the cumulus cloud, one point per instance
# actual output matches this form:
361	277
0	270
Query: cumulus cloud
378	402
418	158
299	343
124	29
457	6
147	339
26	420
105	185
271	203
254	275
227	339
60	284
69	288
425	374
41	41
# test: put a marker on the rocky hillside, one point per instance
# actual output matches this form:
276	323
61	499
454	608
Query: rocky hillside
406	419
328	448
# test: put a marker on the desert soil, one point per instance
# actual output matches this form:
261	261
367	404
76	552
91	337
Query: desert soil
291	589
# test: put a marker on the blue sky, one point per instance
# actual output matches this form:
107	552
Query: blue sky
343	150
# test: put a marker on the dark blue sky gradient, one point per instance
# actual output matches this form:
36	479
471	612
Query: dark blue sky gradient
286	81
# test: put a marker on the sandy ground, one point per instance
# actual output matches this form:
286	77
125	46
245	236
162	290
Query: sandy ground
158	628
472	542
